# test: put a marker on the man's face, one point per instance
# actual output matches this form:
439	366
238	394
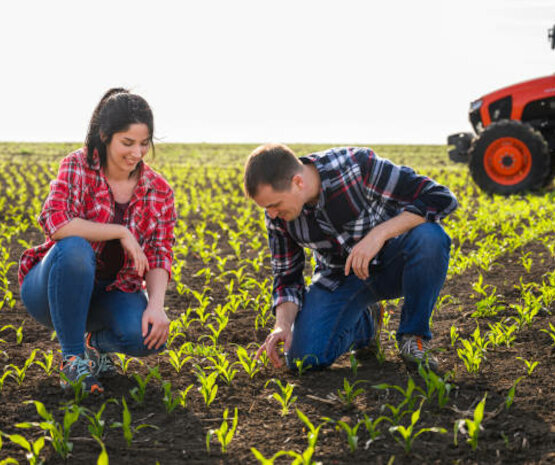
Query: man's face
286	205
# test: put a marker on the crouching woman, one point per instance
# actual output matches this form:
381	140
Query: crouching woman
109	221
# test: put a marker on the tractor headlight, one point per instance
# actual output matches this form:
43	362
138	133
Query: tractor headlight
475	105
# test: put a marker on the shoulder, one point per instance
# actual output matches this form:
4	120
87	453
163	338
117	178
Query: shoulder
74	165
156	181
339	158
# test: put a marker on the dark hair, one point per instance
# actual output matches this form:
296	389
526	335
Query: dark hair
270	164
115	112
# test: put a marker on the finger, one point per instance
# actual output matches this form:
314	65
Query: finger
144	325
261	349
348	264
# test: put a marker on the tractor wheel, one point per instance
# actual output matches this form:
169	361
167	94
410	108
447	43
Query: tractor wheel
549	178
509	157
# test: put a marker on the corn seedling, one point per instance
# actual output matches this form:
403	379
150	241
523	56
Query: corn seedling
124	362
511	394
96	422
169	400
471	427
183	395
57	433
47	362
19	373
284	396
223	367
128	429
409	434
33	448
436	385
224	433
550	332
349	393
248	363
139	391
208	387
530	366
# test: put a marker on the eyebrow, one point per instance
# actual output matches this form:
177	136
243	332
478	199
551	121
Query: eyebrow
130	139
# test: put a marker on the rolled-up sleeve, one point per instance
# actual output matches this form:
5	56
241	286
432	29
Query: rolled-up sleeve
63	202
287	264
158	247
401	188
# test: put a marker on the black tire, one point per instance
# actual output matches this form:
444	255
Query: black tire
549	178
493	154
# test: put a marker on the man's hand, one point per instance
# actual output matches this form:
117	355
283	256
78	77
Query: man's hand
271	345
362	253
285	316
369	246
135	251
160	327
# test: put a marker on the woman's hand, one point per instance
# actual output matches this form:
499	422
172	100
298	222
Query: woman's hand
159	324
135	251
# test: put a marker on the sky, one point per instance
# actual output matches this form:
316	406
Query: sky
316	71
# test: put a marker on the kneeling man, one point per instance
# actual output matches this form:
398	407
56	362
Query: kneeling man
374	230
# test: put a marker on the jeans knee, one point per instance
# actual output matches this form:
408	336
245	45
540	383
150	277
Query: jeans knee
76	254
430	240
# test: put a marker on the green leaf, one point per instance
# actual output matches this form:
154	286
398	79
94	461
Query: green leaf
20	441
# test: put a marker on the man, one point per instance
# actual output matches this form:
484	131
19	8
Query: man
374	230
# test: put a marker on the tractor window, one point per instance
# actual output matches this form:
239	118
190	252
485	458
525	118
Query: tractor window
501	109
539	109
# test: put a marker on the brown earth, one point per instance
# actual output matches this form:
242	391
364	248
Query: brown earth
522	434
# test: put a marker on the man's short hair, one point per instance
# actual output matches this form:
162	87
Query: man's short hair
270	164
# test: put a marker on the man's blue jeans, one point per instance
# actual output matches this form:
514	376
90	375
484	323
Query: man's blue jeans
412	265
60	292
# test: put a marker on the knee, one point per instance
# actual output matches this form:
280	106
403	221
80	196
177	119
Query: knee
76	254
134	343
430	240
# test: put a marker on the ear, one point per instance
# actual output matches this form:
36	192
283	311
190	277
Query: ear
103	137
298	180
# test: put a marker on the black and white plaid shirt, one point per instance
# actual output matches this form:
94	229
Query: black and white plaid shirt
359	190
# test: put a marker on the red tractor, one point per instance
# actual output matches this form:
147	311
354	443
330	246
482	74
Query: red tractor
514	146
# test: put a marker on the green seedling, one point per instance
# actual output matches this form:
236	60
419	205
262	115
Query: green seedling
224	433
372	427
33	448
454	332
530	366
128	429
177	358
18	331
352	433
354	363
96	422
224	368
409	434
169	400
139	391
249	364
511	394
301	366
526	261
501	334
183	395
103	456
57	433
550	332
436	385
124	362
208	387
471	427
47	362
19	373
349	393
7	373
284	396
407	393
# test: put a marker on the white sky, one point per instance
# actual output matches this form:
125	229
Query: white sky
325	71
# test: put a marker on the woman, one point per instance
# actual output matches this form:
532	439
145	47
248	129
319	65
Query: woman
109	222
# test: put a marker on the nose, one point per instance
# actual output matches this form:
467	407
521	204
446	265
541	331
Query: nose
272	212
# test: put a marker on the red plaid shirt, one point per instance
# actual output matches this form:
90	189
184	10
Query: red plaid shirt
81	191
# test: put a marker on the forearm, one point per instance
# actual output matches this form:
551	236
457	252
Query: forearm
156	284
90	230
397	225
286	314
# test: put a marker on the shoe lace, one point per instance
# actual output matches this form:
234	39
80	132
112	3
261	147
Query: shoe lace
410	346
105	362
80	366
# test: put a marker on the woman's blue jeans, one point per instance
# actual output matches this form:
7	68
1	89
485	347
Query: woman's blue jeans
412	265
60	292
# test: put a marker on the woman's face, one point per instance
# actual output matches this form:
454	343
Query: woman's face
127	149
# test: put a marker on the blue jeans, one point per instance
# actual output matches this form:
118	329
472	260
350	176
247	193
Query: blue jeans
330	323
60	292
